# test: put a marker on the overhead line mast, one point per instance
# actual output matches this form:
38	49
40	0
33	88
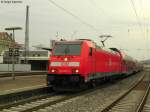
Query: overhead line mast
27	33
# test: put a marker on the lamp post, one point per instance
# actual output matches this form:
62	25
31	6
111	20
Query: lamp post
13	48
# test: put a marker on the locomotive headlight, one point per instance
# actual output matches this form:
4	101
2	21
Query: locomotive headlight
77	71
65	59
52	70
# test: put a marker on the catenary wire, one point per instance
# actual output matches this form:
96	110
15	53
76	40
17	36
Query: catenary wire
145	29
136	14
74	16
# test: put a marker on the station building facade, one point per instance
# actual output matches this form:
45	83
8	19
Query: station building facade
5	41
38	59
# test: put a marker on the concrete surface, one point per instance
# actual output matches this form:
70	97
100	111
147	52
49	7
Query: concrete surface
8	85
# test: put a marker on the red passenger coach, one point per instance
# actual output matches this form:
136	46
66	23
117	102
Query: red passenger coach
80	62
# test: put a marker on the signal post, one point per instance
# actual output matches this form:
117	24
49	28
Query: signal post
13	51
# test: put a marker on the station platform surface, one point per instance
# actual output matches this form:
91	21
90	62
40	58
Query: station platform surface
5	72
21	83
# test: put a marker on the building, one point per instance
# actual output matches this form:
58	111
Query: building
6	41
38	59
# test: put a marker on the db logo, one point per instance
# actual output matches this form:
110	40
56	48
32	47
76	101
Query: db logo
64	64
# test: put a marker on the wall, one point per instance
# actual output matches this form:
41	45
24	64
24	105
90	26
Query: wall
18	67
1	59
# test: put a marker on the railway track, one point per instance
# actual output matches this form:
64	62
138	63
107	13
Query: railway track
58	106
11	99
146	106
37	104
132	100
48	103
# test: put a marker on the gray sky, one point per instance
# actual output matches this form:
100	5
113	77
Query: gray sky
112	17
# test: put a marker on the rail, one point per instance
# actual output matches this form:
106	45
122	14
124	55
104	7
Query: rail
141	105
106	109
7	100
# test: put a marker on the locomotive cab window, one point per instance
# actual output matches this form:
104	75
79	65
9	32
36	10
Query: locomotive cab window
67	49
90	51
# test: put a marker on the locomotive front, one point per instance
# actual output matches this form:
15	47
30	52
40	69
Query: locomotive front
65	66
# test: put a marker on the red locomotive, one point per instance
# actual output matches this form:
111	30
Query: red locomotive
81	61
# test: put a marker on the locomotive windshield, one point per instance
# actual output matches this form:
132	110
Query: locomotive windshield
67	49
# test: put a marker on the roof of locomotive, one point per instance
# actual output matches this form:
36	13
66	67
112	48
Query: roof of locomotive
77	41
69	42
90	42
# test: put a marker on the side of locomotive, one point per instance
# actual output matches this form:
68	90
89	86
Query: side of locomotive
78	62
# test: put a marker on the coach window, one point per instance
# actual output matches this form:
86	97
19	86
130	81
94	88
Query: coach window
90	51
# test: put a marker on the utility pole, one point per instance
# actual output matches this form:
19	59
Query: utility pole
26	50
13	49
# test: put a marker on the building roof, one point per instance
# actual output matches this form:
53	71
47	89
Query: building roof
5	36
6	41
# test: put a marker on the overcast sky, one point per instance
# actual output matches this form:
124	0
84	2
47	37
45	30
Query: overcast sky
113	17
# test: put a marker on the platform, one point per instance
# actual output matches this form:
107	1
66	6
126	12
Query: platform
8	73
21	83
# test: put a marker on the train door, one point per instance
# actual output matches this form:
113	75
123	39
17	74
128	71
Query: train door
92	60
